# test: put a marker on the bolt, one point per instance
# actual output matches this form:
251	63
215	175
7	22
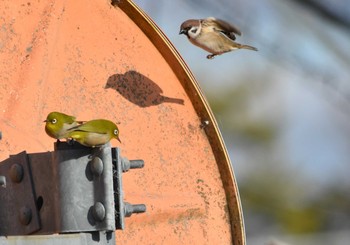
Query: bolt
2	181
126	164
98	211
25	215
96	166
204	124
130	209
137	163
16	172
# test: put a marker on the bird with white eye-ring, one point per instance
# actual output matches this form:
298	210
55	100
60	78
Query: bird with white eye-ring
59	124
95	133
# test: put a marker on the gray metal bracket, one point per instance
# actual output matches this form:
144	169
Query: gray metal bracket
73	189
18	212
87	238
123	209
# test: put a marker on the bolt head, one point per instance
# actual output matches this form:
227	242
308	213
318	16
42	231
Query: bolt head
25	215
16	173
96	166
98	212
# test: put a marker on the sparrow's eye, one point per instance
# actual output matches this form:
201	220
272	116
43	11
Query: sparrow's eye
116	132
54	121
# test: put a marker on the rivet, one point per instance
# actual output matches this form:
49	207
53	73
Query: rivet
16	173
25	215
96	166
98	211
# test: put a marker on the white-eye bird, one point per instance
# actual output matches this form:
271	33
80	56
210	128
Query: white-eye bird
95	133
58	124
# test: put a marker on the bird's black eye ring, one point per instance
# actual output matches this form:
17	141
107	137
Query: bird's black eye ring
54	120
115	131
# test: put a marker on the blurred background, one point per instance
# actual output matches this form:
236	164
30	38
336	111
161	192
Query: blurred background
284	111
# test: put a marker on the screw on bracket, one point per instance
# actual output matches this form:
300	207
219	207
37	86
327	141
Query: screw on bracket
131	164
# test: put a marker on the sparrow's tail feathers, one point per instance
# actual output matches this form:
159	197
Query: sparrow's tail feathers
248	47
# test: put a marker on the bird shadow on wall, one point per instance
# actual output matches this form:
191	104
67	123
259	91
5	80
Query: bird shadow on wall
139	89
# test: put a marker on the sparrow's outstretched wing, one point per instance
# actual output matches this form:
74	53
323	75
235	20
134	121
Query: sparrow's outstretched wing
223	27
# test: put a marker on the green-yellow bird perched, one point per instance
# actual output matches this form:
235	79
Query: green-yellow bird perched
58	124
95	132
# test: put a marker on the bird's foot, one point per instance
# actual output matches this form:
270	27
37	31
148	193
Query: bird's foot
70	141
211	56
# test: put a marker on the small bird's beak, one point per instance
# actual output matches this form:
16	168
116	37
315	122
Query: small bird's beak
119	140
45	121
182	31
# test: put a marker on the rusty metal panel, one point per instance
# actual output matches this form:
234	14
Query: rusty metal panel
94	60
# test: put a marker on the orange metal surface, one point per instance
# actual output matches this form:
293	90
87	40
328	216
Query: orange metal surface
93	60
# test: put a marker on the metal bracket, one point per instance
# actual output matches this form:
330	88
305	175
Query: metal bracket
123	209
84	194
88	238
73	189
18	212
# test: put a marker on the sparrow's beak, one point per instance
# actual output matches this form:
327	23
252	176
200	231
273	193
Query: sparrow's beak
45	121
182	31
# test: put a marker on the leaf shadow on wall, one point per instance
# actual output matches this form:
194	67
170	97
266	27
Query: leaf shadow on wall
139	89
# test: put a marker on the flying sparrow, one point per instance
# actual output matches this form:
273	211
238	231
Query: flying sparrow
213	35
